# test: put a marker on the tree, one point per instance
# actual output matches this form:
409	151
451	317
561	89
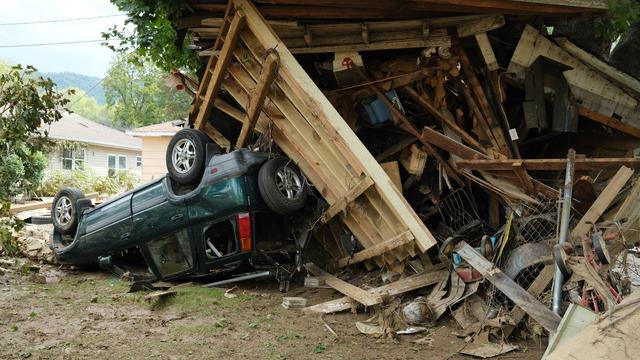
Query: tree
28	102
88	107
137	96
154	37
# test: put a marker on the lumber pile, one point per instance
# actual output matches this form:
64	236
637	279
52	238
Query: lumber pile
440	151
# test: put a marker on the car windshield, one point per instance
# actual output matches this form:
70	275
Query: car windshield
172	253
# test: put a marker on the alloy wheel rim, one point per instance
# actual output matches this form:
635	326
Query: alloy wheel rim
183	156
288	182
64	210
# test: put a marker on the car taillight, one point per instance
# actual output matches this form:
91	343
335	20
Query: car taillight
244	231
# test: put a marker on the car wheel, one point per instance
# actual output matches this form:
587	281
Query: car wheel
186	155
64	210
281	185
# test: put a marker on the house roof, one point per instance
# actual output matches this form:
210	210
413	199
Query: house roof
163	129
74	127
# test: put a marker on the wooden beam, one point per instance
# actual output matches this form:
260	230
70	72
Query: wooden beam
547	318
42	204
487	51
478	91
229	110
216	136
449	145
582	164
341	205
627	82
615	185
226	54
401	286
609	121
257	99
480	26
524	178
442	119
536	288
364	297
376	250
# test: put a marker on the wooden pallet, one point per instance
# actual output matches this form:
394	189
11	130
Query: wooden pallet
260	73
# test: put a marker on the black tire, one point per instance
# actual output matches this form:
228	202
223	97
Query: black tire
600	248
64	210
185	169
282	186
41	219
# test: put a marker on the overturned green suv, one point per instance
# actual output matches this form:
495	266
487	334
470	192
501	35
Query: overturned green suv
213	214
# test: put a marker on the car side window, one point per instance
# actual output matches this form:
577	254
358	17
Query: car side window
220	240
171	253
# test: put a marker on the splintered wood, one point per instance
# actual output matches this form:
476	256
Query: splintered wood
309	131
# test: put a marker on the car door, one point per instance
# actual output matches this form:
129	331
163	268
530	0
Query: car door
156	213
108	227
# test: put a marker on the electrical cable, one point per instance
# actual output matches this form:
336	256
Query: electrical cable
60	20
55	43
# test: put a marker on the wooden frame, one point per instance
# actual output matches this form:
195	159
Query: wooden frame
310	131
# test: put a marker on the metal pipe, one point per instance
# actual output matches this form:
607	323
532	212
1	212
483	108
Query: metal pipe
565	216
258	275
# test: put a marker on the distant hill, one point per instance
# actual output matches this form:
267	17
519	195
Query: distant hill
86	83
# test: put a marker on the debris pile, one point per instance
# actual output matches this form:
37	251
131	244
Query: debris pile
476	159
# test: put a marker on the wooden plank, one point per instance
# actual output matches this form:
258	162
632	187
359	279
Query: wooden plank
401	286
446	143
480	26
435	41
615	185
609	121
590	89
627	82
487	51
478	91
376	250
524	178
544	278
349	197
229	109
237	24
393	170
42	204
329	125
582	164
442	119
547	318
216	135
364	297
257	99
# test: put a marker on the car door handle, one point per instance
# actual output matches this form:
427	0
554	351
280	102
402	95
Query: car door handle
177	217
125	236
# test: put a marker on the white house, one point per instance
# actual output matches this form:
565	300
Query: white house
103	149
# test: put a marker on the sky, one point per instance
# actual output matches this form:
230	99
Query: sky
88	59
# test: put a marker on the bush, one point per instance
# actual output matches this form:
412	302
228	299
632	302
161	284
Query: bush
88	182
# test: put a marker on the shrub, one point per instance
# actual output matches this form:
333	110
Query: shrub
88	182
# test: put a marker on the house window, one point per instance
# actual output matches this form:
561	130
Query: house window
73	159
116	163
138	161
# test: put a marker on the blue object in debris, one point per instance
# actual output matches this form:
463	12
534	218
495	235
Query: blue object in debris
376	112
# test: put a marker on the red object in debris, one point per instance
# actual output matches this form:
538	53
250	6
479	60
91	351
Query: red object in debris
468	274
244	231
214	170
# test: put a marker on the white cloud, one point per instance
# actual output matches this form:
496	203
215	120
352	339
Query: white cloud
90	59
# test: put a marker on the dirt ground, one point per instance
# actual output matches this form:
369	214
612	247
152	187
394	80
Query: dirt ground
56	314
